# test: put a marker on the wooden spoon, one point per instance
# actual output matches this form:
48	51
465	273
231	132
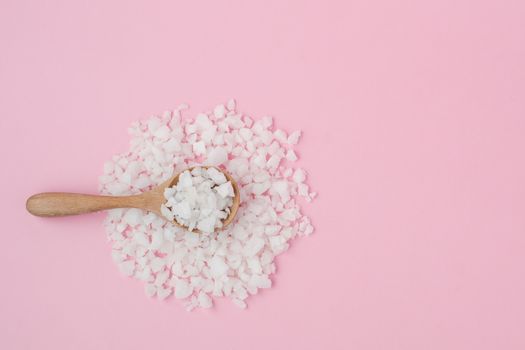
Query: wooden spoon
62	204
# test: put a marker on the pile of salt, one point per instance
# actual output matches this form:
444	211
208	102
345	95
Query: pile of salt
197	267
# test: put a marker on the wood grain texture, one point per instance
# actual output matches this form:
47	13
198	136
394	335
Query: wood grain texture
51	204
62	204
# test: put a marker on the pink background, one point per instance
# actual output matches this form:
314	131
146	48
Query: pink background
414	135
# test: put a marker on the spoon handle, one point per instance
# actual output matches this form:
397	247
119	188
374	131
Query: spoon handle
61	204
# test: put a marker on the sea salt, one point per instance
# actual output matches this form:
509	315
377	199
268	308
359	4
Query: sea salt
198	267
201	199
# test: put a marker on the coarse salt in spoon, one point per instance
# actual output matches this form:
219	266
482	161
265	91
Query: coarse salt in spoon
52	204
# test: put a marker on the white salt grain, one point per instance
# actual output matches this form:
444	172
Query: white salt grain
260	281
217	156
294	137
231	105
204	300
253	246
182	289
302	189
280	135
225	190
216	175
299	175
163	293
291	156
133	217
220	111
157	264
127	267
108	167
246	134
218	266
199	148
162	132
239	303
260	188
150	290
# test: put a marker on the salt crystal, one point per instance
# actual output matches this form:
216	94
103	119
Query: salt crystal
253	246
220	111
218	266
105	179
142	182
259	188
239	303
182	289
190	129
202	122
282	188
280	135
145	274
172	145
246	134
117	256
204	300
153	124
287	173
163	293
237	151
216	175
294	137
127	267
255	265
234	122
150	290
274	161
161	278
272	229
162	132
231	104
133	216
225	190
302	189
266	257
209	134
218	140
261	176
207	224
291	156
166	212
199	148
117	188
109	167
308	230
299	175
274	148
267	122
260	281
191	239
141	238
157	240
157	264
240	292
217	156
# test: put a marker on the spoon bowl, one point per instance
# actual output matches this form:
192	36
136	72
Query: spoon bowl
51	204
236	199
